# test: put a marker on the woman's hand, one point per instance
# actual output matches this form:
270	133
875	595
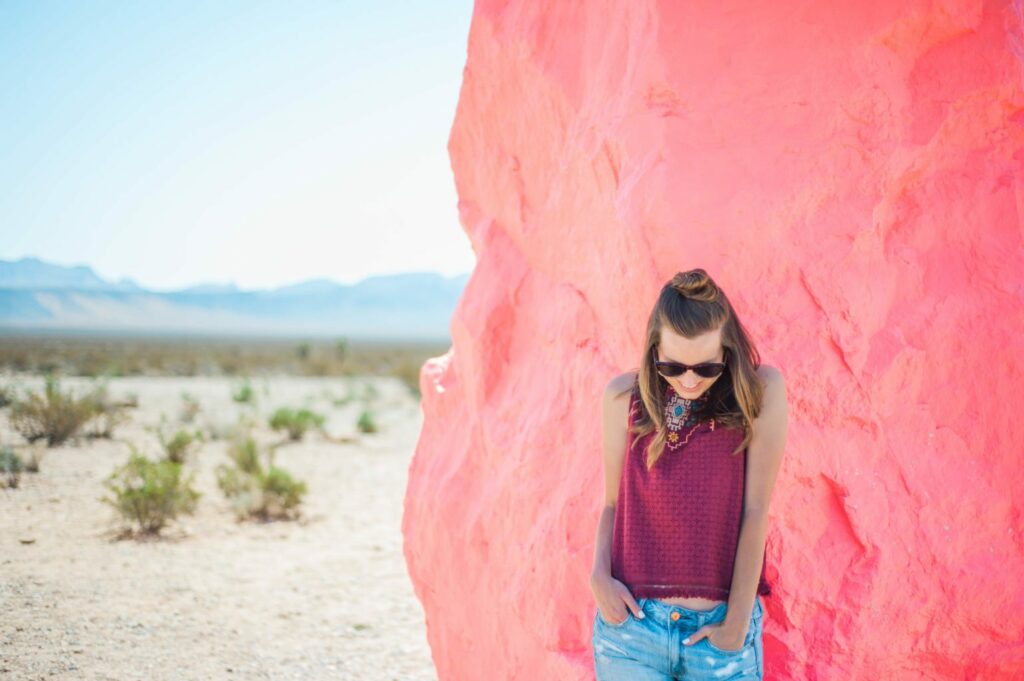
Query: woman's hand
614	601
720	635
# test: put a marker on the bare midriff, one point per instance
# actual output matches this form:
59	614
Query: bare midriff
692	602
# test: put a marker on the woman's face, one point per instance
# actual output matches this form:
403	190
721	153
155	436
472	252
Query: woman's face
676	348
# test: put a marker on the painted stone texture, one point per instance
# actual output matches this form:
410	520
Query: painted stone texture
851	174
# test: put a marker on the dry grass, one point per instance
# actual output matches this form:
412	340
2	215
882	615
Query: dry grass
113	356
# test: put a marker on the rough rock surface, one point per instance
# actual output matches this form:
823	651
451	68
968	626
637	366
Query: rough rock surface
851	173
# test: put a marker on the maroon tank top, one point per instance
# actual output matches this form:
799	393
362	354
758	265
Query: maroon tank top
677	525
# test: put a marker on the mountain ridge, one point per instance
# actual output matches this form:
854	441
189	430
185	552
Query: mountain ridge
36	295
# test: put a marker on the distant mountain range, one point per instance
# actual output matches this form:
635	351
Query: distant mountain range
41	296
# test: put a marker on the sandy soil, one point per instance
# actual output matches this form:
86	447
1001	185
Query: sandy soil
323	597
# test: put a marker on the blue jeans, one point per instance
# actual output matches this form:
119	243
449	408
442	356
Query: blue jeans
652	648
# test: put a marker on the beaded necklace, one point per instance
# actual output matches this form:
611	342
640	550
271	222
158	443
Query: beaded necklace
680	415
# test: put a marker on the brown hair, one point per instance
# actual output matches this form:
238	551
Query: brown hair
691	304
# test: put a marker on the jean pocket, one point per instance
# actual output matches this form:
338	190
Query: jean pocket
614	625
747	644
748	641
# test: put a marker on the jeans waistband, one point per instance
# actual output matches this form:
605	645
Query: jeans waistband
661	612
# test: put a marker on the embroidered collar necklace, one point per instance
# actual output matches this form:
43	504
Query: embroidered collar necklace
680	417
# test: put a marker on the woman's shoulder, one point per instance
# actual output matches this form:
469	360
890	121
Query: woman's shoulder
619	406
768	373
774	394
621	385
771	379
619	394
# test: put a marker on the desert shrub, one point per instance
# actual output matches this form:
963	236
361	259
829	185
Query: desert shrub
177	447
189	408
295	421
223	429
370	391
6	395
244	394
258	489
366	423
11	467
344	399
107	414
150	493
54	416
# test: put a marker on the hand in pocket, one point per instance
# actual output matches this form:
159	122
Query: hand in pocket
614	601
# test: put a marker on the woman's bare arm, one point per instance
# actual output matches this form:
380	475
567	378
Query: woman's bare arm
614	417
764	458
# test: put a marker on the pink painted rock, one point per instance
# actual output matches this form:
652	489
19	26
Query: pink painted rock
851	173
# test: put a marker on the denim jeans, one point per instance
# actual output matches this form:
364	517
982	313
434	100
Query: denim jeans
652	648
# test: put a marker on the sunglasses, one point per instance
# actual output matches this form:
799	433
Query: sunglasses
705	370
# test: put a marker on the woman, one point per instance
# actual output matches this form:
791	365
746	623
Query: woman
692	445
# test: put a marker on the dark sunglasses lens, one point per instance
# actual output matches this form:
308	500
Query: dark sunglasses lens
673	370
709	372
669	369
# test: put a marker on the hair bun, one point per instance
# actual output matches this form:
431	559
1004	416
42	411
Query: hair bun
694	284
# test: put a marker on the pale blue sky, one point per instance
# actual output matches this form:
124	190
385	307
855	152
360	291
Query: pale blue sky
260	143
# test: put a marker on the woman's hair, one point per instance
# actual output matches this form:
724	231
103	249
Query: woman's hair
691	304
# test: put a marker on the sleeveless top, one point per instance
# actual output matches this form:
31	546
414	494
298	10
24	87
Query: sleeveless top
677	526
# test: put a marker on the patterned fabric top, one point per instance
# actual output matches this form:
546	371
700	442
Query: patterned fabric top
677	525
681	417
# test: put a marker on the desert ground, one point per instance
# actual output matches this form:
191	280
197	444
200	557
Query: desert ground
324	596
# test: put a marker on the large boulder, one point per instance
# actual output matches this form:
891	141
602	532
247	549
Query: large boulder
851	174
